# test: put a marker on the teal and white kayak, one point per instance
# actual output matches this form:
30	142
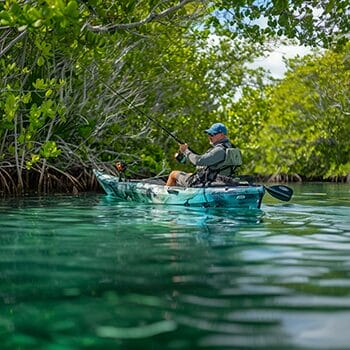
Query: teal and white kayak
242	195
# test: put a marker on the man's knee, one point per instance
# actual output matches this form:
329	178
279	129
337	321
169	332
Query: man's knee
172	178
174	173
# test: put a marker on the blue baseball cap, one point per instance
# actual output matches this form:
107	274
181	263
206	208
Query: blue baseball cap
216	128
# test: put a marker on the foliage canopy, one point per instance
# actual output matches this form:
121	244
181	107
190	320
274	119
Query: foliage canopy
314	22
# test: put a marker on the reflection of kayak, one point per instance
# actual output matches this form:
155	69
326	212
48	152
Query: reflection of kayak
242	195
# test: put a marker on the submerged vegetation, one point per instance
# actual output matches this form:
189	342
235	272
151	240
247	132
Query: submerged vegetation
75	74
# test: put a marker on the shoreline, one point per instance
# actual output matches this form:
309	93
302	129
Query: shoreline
82	180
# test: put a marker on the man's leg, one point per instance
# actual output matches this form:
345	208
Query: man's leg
172	178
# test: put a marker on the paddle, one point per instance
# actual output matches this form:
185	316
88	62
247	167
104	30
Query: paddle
281	192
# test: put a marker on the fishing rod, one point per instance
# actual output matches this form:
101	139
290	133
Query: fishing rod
167	131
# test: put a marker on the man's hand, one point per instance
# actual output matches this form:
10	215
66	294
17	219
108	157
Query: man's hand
183	147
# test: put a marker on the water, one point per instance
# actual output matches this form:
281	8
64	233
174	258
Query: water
85	272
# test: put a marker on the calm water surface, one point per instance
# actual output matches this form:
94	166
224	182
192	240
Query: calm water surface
85	272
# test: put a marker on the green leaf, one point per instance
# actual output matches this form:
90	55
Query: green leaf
283	20
22	28
41	61
11	106
39	84
37	23
35	159
49	150
329	6
72	9
26	98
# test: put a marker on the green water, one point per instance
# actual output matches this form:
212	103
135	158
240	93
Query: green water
85	272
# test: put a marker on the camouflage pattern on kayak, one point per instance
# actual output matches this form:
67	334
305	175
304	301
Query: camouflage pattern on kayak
243	195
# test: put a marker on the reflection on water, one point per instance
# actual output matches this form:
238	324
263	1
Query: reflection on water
87	272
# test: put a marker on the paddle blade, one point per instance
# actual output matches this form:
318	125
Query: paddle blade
281	192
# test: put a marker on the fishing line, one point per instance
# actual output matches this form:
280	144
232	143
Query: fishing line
138	110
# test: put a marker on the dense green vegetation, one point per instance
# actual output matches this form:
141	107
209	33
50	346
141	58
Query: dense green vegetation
298	128
75	76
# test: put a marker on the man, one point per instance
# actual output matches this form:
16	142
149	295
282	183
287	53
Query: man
221	159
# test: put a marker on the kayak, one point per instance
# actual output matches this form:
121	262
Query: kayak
242	195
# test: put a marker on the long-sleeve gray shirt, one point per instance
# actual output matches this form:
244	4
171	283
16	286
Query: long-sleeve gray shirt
213	156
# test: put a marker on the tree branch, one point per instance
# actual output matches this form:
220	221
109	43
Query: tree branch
151	17
13	42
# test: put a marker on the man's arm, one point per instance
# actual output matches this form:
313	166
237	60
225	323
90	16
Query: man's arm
211	157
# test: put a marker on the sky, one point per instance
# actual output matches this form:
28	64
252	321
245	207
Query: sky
274	60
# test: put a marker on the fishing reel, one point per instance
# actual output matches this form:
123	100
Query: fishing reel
120	166
180	157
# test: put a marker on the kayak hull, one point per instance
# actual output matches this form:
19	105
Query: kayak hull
241	196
